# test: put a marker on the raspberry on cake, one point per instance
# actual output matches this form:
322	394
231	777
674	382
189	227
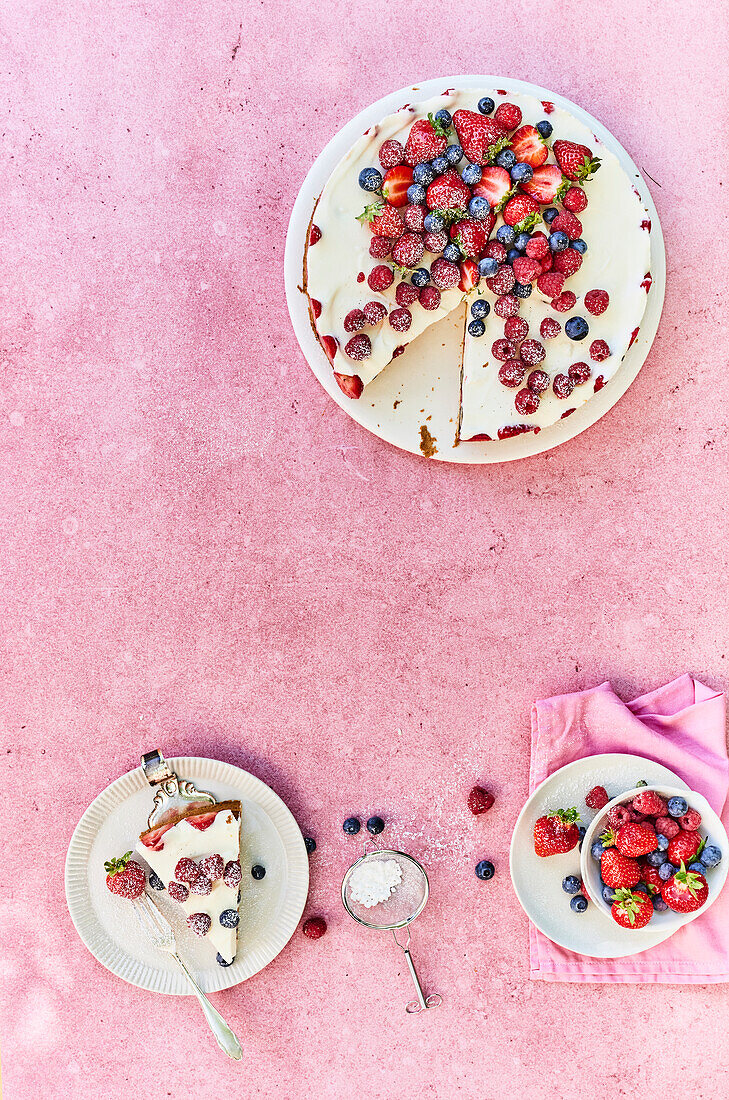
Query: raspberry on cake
196	855
534	219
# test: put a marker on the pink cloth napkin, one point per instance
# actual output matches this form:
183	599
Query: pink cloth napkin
680	725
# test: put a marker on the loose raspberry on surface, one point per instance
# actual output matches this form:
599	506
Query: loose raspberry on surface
562	385
508	116
359	347
651	803
351	385
549	328
444	274
314	234
380	277
435	242
414	217
515	328
690	821
202	886
495	251
511	373
579	373
354	321
532	352
178	891
547	263
526	269
618	815
503	349
506	306
314	928
186	870
401	319
575	200
232	874
567	262
598	796
538	381
503	281
199	923
430	297
408	250
212	867
599	351
596	302
550	284
380	247
125	877
480	800
526	402
374	312
564	302
406	294
537	246
668	826
361	277
391	154
569	224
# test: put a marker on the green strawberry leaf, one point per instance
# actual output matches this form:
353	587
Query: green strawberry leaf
529	222
498	146
371	212
116	865
562	189
509	195
440	129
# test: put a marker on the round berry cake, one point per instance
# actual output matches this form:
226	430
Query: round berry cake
501	201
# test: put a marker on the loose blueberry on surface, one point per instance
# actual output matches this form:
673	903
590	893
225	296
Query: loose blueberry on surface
596	850
375	825
659	905
452	253
480	308
155	881
522	290
453	154
506	235
506	159
657	858
520	173
229	918
677	806
423	174
576	328
571	884
579	246
698	867
666	870
578	904
521	241
440	165
370	179
433	223
221	961
416	194
512	254
488	267
711	855
550	214
608	894
444	118
352	826
476	327
257	871
486	105
662	842
485	870
421	276
558	241
471	174
545	128
479	208
310	844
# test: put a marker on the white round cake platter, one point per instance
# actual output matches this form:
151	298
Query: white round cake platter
270	908
422	384
537	880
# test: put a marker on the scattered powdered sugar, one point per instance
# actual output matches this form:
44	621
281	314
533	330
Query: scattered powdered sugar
374	881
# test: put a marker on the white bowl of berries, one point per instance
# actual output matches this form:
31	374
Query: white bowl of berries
654	854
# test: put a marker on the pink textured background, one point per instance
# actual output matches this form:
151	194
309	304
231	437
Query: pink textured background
201	551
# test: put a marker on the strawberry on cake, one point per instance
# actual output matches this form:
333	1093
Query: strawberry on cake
195	856
502	201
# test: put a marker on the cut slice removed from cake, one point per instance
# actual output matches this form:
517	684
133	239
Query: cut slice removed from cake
195	856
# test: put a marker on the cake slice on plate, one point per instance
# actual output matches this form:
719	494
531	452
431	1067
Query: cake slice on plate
195	857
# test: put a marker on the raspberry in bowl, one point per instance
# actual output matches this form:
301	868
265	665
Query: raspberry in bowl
654	855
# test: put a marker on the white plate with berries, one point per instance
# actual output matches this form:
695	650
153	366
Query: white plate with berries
419	401
270	906
549	886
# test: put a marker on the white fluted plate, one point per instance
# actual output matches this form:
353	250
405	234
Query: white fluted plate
270	908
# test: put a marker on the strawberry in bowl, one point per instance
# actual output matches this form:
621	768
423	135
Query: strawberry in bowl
653	854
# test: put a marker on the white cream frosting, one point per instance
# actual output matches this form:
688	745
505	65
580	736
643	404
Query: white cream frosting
617	260
222	837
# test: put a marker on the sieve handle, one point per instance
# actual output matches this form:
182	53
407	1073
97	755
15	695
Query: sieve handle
434	999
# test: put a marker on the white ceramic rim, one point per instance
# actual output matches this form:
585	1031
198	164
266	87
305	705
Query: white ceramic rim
476	452
527	808
200	770
717	874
